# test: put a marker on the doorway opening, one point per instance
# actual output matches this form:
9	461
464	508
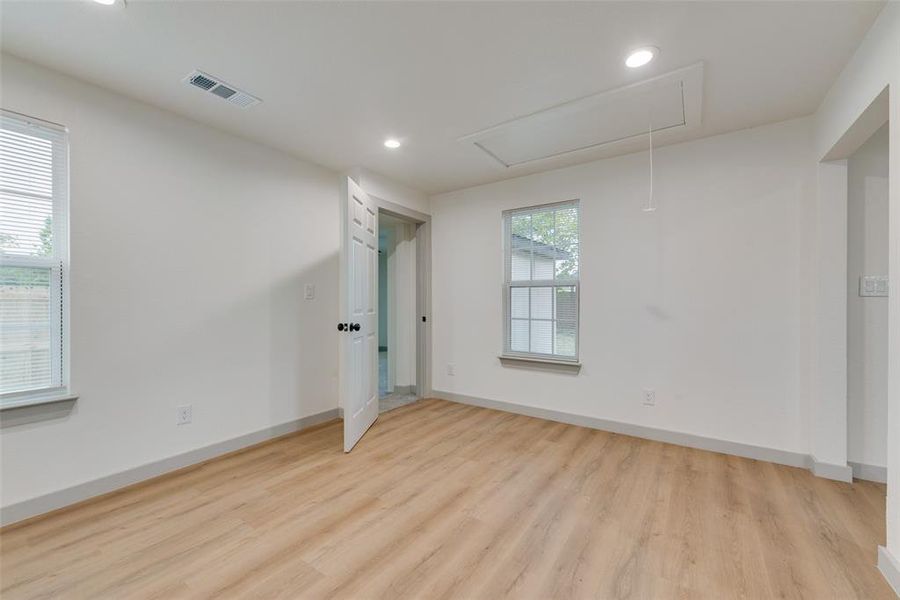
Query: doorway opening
398	376
867	307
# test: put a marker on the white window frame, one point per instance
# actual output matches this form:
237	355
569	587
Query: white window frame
509	284
58	263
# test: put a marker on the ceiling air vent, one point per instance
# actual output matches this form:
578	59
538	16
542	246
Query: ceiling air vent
223	90
204	83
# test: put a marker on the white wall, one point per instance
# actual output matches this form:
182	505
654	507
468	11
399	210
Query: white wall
190	250
401	301
828	342
382	296
867	317
403	326
706	300
874	66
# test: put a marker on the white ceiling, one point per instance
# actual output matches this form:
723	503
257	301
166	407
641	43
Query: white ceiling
338	78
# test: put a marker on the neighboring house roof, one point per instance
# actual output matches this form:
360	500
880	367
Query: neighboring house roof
521	243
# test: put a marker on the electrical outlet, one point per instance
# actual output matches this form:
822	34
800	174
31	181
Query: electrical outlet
649	397
451	369
184	414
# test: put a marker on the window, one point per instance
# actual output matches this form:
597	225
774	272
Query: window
33	257
541	282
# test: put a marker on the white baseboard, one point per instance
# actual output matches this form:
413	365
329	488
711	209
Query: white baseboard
890	568
83	491
868	472
830	470
782	457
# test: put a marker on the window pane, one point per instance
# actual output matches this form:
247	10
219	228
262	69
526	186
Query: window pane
566	243
565	340
518	301
542	228
26	163
26	194
566	320
521	226
543	264
542	337
518	335
542	303
521	265
520	248
25	357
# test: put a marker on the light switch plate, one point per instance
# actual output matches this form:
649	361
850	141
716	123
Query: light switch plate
873	286
309	292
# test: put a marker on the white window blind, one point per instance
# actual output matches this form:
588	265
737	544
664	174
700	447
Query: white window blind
33	255
541	286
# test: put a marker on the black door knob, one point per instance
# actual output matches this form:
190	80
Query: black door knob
354	326
343	326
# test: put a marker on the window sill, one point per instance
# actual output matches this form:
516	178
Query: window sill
549	364
36	400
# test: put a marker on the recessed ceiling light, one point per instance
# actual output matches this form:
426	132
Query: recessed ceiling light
641	56
105	2
392	143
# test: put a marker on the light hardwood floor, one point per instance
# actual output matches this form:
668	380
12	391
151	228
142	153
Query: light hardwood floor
442	500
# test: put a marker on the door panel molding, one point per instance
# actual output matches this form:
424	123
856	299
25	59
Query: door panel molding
358	372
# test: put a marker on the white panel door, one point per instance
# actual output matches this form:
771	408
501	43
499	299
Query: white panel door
359	313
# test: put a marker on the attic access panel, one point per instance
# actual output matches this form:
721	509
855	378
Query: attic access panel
667	102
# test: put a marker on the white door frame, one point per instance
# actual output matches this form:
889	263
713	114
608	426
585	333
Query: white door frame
423	287
828	402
